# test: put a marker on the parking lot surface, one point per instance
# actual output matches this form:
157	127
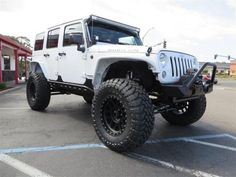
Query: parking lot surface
61	141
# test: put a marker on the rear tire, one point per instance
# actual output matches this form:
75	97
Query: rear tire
123	115
38	92
190	113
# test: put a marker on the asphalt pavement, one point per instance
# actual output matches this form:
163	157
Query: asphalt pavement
61	141
227	83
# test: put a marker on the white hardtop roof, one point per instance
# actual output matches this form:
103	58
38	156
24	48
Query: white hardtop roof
115	23
100	19
57	26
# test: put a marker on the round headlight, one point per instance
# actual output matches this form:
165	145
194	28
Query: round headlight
163	59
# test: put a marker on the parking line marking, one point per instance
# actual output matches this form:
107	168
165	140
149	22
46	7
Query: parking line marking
169	140
211	144
196	173
50	148
14	108
87	146
192	139
219	88
224	88
28	108
15	94
231	136
23	167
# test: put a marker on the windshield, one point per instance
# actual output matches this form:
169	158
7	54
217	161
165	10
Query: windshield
112	34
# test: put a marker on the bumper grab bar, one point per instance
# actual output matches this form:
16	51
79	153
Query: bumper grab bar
190	83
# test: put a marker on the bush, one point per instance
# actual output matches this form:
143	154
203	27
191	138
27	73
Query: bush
2	86
205	71
226	76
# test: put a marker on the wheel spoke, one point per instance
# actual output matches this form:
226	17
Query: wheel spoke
182	108
113	116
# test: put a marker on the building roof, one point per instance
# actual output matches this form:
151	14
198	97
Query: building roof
233	61
22	49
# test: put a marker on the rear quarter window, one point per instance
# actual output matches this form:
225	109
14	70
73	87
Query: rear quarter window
39	39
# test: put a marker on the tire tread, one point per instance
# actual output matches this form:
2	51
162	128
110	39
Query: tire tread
142	122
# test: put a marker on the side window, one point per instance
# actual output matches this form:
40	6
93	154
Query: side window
53	36
73	35
38	45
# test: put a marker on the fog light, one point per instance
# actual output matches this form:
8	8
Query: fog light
163	74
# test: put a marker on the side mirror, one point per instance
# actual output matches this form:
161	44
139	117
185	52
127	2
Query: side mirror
81	48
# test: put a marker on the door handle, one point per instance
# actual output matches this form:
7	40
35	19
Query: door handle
62	54
46	55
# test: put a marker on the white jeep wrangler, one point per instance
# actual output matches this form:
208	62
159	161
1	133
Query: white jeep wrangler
127	83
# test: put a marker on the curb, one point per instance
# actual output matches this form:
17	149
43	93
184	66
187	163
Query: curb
230	89
225	88
11	89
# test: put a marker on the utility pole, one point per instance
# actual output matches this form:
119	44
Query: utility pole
164	44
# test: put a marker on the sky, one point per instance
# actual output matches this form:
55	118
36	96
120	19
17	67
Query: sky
200	27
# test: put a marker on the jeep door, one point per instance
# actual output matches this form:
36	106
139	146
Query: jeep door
71	65
51	53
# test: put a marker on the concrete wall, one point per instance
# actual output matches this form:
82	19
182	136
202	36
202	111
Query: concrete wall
12	63
2	67
9	74
9	52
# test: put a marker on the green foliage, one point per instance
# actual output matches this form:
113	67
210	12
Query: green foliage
205	71
226	76
22	40
2	86
21	68
222	74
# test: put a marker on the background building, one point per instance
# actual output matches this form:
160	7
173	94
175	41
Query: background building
10	53
233	67
222	68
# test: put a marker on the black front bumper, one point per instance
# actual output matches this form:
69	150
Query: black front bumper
190	85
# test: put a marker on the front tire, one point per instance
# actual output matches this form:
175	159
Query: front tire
38	92
88	99
187	114
123	115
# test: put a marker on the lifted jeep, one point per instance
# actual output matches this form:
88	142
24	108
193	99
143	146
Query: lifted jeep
126	82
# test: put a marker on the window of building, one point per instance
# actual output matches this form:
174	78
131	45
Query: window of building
39	42
7	63
73	35
53	36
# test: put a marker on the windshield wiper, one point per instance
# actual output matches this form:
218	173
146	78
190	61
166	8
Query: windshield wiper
123	43
105	41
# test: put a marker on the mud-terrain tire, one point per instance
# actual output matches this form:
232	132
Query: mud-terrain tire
38	92
123	115
194	110
88	99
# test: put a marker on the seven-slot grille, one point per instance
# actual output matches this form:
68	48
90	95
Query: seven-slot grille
180	65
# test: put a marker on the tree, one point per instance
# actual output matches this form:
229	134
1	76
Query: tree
22	40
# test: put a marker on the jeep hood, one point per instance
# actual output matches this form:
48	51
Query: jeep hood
116	48
131	49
